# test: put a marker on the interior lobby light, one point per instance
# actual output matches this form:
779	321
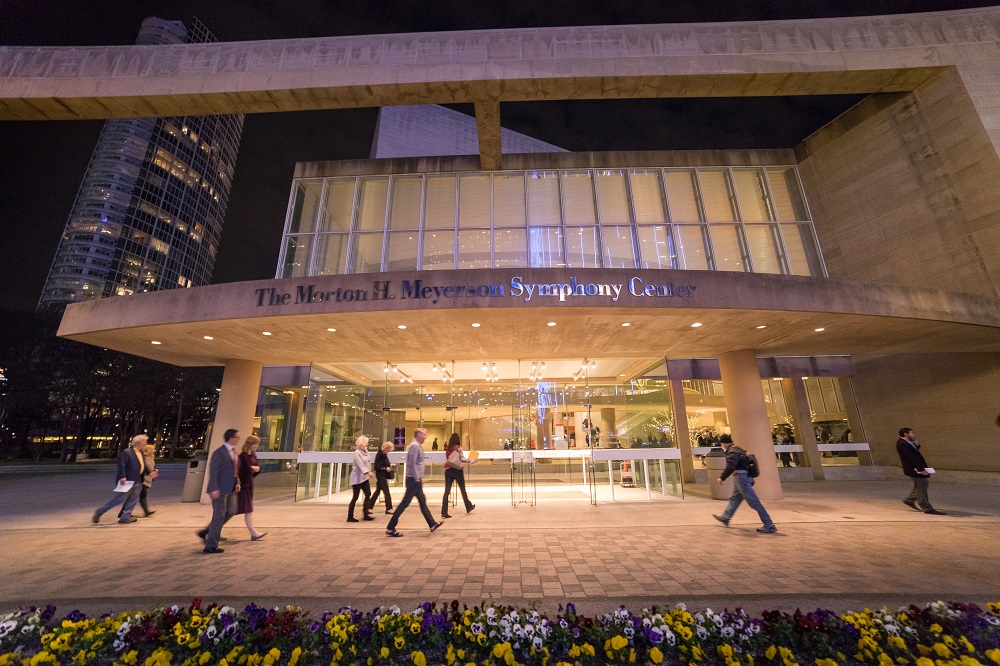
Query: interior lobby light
475	325
265	332
762	326
155	342
331	330
820	330
625	324
697	324
551	323
208	337
401	327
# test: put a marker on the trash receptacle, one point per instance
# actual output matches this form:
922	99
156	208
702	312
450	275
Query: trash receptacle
715	462
195	479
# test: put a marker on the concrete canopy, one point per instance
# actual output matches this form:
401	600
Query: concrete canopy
857	318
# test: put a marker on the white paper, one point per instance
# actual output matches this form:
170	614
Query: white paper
929	470
124	487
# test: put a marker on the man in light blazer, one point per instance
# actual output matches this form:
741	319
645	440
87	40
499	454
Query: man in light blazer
130	468
223	484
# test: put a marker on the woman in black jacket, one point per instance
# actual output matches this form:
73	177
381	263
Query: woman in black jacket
382	469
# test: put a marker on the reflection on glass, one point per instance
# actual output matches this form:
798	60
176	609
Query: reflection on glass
727	247
402	254
367	253
339	205
510	248
656	247
578	198
474	201
647	198
331	254
545	247
800	248
508	199
297	249
405	202
439	250
474	248
305	206
373	196
751	195
716	197
581	247
692	243
612	196
681	196
617	246
788	202
765	247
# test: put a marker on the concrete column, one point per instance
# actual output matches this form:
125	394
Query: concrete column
488	129
748	419
681	432
237	405
804	434
802	422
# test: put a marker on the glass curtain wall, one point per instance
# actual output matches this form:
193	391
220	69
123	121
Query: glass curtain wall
727	218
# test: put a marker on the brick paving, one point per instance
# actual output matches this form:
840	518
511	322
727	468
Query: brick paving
840	545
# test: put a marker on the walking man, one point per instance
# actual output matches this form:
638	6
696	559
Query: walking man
223	485
131	467
915	467
414	484
736	463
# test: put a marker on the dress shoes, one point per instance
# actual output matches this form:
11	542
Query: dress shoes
724	521
213	550
445	515
258	537
368	516
202	534
388	512
352	519
96	518
469	510
911	503
126	521
767	530
392	533
149	513
435	526
935	512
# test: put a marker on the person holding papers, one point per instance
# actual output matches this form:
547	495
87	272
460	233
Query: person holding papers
131	467
916	468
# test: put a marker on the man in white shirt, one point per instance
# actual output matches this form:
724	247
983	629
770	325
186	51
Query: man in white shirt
414	484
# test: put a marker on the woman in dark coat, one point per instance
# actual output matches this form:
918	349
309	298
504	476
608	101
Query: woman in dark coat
381	467
249	467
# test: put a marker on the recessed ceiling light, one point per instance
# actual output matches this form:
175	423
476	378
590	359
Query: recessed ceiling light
626	324
155	342
820	330
208	337
696	324
401	327
551	323
475	325
762	326
265	332
331	330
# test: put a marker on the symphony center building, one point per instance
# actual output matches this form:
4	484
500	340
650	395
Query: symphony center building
592	322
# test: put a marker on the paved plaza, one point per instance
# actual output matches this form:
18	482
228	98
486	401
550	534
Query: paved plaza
841	545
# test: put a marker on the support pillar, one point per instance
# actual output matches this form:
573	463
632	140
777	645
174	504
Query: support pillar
805	436
488	129
237	405
681	432
751	428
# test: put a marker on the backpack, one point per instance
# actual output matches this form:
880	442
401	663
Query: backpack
749	462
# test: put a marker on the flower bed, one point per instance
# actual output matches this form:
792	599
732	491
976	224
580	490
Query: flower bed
938	634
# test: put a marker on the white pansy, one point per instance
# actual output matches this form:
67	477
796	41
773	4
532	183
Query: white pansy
211	631
118	645
702	633
629	632
563	623
123	629
529	630
728	632
646	622
537	642
669	637
7	626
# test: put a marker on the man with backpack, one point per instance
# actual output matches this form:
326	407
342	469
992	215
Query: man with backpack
744	466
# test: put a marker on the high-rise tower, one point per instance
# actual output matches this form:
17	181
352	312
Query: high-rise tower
149	212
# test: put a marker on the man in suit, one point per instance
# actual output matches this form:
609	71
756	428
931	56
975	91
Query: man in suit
223	485
915	467
130	468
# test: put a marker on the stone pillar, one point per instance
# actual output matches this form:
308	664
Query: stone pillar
748	419
237	405
681	433
802	421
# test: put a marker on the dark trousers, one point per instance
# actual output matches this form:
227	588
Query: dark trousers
454	476
363	487
131	498
381	486
919	493
223	509
414	488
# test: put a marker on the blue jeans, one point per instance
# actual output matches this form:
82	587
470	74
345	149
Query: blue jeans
414	488
743	490
130	498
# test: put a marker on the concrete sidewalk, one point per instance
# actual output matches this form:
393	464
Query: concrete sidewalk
841	545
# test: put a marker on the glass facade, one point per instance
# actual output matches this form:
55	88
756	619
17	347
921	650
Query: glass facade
744	219
149	212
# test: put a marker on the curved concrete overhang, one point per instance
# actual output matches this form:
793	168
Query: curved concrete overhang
798	57
514	308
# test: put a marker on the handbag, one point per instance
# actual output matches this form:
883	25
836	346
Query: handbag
390	473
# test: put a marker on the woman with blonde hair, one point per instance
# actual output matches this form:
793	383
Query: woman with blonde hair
248	468
360	473
383	472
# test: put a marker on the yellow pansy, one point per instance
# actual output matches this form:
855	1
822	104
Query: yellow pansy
656	656
942	650
384	653
618	642
399	642
994	655
418	658
770	652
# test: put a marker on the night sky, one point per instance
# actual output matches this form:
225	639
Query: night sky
42	163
